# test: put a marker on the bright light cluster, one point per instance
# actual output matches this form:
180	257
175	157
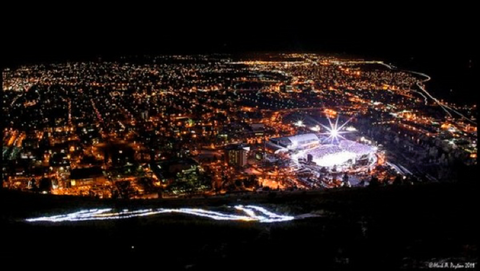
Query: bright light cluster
338	158
251	213
330	155
335	132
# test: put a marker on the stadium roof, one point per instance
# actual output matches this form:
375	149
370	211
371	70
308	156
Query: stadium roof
301	139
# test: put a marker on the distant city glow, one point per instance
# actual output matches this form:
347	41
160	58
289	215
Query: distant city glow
250	213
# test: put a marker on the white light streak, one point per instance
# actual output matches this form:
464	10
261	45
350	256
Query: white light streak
442	105
249	214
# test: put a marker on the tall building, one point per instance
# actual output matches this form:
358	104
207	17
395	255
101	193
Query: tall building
236	155
144	115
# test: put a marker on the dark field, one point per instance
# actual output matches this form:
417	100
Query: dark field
387	227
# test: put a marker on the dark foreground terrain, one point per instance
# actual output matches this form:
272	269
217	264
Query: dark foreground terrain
390	228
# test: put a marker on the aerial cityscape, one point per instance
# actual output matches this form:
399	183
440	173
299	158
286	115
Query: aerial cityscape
273	159
201	125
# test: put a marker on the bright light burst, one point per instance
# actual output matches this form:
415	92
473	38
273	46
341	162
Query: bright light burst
250	213
335	132
299	123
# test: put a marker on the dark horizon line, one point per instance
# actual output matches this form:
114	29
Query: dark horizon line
40	57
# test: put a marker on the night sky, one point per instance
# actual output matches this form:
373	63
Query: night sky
403	32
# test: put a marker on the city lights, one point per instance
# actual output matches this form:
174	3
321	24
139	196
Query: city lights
182	125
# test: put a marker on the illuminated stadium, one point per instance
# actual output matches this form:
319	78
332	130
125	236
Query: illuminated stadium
329	155
296	142
324	151
327	149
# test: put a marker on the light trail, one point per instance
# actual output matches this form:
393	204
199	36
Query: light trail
427	78
397	169
433	98
405	170
443	106
15	99
460	114
250	213
400	169
424	97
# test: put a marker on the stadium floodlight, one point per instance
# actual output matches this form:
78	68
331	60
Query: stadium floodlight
335	132
299	123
